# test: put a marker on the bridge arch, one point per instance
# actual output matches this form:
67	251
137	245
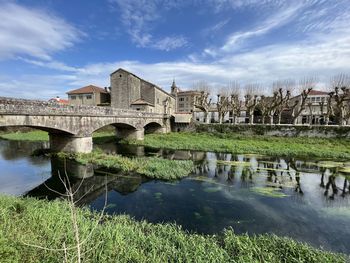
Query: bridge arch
124	130
153	127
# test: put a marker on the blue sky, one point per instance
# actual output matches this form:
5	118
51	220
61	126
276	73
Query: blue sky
48	47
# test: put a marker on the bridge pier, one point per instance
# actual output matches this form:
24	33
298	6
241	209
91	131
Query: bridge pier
70	143
131	134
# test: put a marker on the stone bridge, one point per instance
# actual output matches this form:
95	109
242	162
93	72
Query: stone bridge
70	127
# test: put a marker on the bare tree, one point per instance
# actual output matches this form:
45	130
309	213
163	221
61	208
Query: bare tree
326	108
203	101
251	100
341	94
306	85
235	104
222	103
283	90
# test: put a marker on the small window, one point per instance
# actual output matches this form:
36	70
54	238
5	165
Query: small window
158	100
120	76
88	97
181	105
186	98
73	97
182	99
138	109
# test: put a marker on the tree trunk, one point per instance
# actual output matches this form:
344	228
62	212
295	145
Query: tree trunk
295	121
206	117
279	118
251	119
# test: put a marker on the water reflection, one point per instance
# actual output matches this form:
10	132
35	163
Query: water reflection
304	199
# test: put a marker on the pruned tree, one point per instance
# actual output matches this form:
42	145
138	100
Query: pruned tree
266	106
251	100
326	108
306	85
203	101
235	104
311	115
341	94
222	103
282	91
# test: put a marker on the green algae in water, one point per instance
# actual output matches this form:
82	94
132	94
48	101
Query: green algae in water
329	164
197	215
158	195
234	163
269	192
212	189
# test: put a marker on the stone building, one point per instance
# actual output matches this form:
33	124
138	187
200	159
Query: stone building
129	91
89	95
184	99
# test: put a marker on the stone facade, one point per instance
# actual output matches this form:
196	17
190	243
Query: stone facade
127	88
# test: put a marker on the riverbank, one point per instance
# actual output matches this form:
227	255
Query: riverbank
237	144
151	167
27	223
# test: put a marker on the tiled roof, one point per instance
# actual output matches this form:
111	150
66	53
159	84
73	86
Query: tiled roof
141	102
88	89
59	100
318	92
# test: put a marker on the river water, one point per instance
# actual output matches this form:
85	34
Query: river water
307	200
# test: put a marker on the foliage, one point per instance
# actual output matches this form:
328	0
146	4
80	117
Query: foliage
25	222
235	143
151	167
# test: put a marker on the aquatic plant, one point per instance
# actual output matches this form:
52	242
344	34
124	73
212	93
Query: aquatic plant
151	167
268	191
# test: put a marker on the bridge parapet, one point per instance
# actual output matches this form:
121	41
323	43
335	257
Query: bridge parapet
13	106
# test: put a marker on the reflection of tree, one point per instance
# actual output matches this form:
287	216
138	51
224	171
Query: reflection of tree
298	186
331	183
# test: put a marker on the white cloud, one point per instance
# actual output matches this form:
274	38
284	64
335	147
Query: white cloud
31	32
139	16
169	43
280	18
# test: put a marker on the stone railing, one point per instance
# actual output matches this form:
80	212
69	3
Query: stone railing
12	106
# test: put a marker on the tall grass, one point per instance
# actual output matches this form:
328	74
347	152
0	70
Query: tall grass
149	166
26	222
235	143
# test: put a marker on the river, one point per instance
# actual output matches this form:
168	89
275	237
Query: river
307	200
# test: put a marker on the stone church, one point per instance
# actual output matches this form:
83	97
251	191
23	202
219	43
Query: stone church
129	91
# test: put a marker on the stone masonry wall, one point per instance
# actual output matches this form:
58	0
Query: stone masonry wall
11	106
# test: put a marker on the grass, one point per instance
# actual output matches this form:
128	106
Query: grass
25	222
26	136
237	144
151	167
98	137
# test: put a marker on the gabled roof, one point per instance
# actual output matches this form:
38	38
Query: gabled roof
154	85
88	89
141	102
318	92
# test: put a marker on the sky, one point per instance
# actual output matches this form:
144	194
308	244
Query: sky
48	47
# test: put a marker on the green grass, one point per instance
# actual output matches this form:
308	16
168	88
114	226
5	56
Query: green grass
26	136
151	167
235	143
98	137
25	222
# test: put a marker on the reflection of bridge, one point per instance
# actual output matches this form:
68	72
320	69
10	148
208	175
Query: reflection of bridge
70	127
86	186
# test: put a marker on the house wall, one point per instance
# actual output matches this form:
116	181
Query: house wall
125	89
160	100
82	99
